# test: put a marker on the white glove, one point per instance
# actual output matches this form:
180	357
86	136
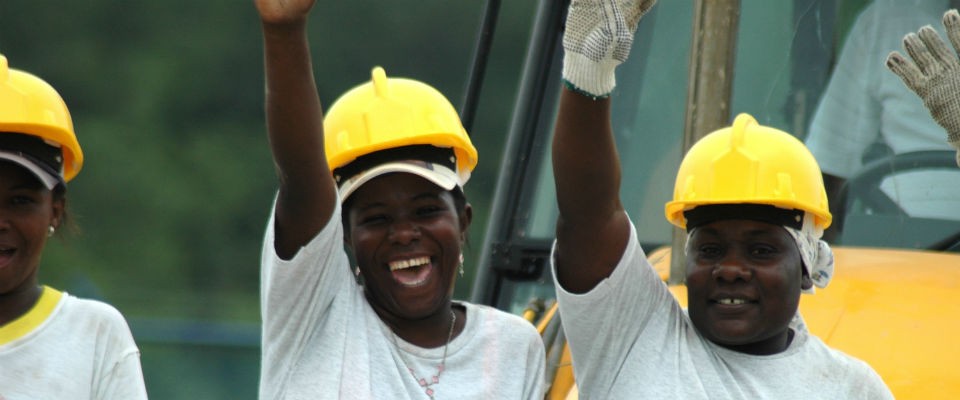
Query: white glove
597	39
934	74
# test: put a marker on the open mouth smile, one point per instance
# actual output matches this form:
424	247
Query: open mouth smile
731	302
412	272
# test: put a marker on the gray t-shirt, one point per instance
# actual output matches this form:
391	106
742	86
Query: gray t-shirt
322	340
631	340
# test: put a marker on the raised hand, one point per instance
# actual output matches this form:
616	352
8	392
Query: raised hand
934	73
592	228
307	195
283	11
597	38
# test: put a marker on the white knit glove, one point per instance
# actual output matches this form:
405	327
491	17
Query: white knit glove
597	38
934	74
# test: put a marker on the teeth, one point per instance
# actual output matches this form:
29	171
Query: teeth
731	301
413	262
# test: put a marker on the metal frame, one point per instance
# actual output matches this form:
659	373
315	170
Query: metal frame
505	253
709	89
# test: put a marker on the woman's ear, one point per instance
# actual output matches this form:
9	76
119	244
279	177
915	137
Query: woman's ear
59	204
466	217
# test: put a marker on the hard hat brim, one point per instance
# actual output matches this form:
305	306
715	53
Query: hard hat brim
49	179
437	174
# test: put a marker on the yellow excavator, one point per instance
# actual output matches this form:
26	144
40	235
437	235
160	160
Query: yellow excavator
893	301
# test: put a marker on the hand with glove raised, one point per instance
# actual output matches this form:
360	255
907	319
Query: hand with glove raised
592	225
934	73
597	38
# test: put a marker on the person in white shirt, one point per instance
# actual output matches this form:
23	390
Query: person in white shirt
381	174
866	114
52	345
752	201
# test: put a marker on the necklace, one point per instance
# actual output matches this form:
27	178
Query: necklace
435	379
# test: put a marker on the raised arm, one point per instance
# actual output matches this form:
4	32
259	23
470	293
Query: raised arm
593	228
307	194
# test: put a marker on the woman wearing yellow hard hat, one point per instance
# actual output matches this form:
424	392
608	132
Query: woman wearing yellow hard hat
52	345
752	201
383	175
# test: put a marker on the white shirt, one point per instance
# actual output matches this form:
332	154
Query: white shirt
322	340
69	348
631	340
865	103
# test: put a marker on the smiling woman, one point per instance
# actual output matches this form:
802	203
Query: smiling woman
52	345
753	203
412	226
383	173
744	281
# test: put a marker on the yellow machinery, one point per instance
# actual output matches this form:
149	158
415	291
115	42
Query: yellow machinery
893	299
899	320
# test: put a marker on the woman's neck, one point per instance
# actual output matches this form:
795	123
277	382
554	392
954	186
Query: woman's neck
18	302
433	331
773	345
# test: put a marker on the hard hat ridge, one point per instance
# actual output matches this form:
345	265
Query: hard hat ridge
748	163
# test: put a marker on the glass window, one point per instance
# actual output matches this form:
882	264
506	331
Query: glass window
648	122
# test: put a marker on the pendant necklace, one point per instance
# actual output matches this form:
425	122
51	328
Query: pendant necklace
435	379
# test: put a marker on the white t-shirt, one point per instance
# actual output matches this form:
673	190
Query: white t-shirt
631	340
865	102
69	348
322	340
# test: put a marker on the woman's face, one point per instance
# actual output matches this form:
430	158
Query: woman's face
27	210
406	235
744	281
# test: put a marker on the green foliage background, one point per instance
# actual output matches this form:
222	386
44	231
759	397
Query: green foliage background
172	201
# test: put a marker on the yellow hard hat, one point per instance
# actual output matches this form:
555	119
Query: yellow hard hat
30	106
393	113
748	163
